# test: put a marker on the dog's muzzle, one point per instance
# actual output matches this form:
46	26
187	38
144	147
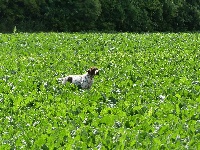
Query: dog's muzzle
97	72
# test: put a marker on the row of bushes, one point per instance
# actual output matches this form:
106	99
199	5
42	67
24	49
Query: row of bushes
100	15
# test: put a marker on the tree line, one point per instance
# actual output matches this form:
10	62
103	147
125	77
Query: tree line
100	15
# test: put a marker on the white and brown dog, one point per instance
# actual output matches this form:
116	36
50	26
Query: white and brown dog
82	81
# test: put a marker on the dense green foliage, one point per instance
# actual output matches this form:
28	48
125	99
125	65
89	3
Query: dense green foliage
146	97
104	15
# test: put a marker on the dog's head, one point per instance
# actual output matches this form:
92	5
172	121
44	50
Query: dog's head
93	71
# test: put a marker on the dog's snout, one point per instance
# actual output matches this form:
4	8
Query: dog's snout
97	72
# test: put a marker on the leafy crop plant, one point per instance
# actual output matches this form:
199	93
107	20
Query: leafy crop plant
146	97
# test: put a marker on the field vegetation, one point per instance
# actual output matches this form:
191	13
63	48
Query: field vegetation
146	96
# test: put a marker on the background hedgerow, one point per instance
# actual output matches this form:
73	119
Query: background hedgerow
147	94
100	15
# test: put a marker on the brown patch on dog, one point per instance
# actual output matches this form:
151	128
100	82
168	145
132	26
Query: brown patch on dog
92	71
69	79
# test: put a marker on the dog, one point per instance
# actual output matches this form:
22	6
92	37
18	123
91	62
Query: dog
84	81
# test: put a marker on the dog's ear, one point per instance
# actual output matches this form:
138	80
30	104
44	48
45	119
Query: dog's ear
89	71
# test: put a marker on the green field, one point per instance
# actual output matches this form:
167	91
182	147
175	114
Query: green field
147	95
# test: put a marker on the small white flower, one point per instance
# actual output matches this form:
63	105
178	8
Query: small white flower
134	85
85	120
195	82
162	98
